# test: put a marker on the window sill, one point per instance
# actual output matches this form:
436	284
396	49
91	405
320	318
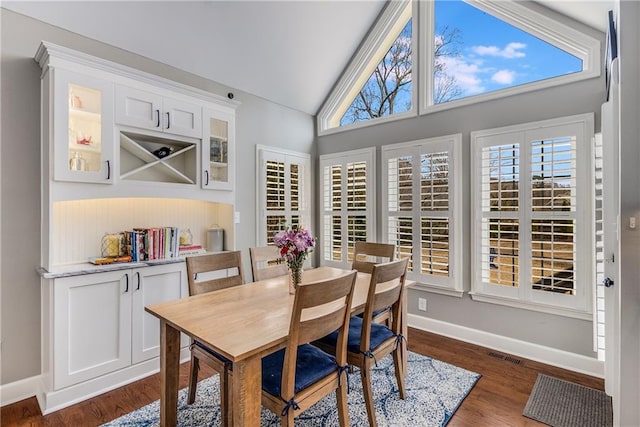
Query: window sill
526	305
437	289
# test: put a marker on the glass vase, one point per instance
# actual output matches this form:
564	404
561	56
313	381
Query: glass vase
295	278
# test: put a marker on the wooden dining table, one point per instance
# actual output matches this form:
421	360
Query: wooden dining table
244	324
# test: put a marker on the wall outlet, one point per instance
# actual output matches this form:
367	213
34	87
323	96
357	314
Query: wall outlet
422	304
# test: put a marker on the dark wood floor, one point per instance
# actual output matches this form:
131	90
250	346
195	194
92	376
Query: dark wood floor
497	399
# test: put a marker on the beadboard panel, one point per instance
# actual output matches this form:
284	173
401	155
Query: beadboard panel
78	225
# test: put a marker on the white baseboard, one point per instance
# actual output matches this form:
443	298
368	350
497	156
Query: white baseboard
19	390
51	401
539	353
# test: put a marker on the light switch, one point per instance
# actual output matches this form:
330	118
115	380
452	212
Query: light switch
236	217
632	222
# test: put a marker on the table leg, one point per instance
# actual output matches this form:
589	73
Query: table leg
169	373
246	391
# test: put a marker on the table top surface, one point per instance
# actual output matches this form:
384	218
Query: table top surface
246	320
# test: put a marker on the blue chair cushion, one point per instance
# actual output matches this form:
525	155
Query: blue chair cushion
312	364
213	353
376	312
379	334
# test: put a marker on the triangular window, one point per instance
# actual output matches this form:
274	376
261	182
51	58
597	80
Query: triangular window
388	90
469	51
477	53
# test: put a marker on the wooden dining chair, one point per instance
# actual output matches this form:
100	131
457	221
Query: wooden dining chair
207	273
368	254
365	256
266	263
301	374
369	341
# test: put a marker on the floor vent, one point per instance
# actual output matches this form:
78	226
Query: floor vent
505	358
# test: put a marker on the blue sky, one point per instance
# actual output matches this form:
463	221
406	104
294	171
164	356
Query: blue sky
494	54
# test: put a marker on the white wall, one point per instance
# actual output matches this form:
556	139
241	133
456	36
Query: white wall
257	122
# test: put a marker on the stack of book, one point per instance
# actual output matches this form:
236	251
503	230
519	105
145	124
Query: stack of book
148	244
189	250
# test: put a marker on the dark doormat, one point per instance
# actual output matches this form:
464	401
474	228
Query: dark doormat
561	403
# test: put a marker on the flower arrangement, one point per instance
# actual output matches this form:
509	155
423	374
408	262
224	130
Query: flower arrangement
295	243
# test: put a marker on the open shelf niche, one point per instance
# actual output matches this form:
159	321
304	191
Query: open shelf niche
157	159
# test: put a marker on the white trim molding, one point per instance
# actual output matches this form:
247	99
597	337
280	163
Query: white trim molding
19	390
539	353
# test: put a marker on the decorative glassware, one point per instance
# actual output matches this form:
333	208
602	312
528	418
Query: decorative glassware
295	279
112	245
186	238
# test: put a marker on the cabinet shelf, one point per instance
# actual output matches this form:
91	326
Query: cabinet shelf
138	161
85	115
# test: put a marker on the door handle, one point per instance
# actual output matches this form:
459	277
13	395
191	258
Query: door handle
608	282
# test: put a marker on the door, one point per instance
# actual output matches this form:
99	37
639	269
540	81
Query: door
138	108
92	326
83	147
182	118
611	244
152	285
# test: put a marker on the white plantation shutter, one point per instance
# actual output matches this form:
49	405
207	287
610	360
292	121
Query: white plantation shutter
531	241
283	192
422	209
348	200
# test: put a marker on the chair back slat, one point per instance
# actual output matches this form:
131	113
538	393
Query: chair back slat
319	308
266	263
210	272
386	289
368	254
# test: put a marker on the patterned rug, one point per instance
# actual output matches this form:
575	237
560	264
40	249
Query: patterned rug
434	391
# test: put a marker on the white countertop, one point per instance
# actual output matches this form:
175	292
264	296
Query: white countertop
88	268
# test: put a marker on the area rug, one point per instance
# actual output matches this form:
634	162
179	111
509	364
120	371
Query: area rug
434	391
560	403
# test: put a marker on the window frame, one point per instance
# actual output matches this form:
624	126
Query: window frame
362	65
529	18
524	18
524	296
367	155
452	285
264	154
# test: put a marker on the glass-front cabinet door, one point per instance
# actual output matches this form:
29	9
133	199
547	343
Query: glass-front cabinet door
218	150
83	128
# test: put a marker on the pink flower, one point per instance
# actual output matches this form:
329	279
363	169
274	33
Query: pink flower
295	243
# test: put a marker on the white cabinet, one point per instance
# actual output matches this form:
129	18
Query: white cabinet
218	150
82	139
91	326
99	324
149	110
152	285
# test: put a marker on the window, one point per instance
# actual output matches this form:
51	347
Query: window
348	201
475	53
532	228
283	191
457	53
388	89
422	209
378	83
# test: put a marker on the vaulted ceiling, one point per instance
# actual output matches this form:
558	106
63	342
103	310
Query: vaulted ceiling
289	52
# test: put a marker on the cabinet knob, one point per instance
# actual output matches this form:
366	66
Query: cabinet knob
138	277
158	116
168	122
126	280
